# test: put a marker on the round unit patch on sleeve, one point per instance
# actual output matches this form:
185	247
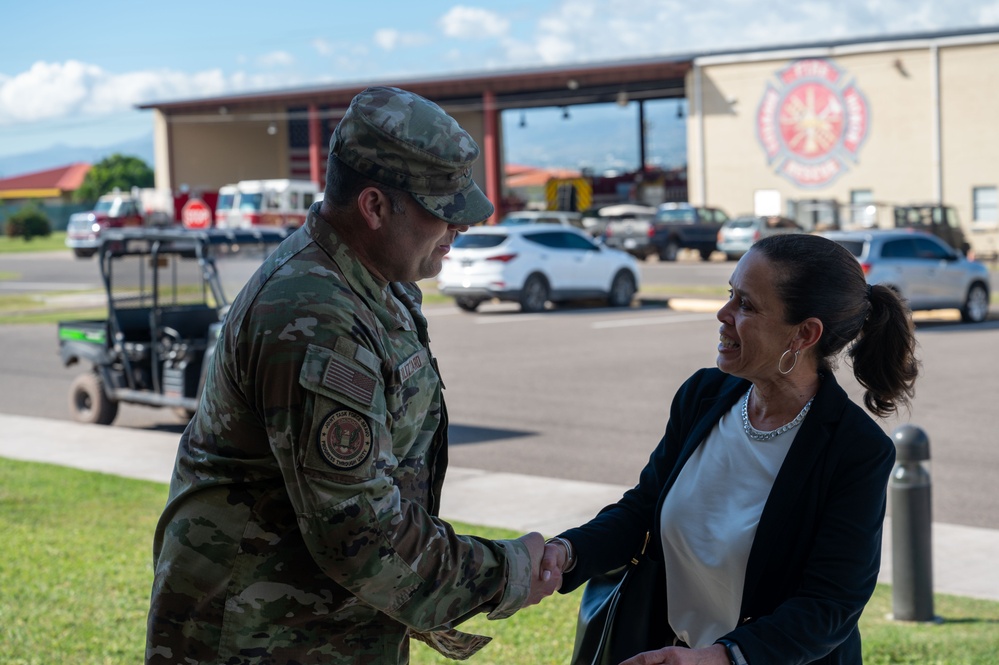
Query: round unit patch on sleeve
345	439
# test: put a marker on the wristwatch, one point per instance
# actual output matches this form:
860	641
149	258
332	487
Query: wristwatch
735	656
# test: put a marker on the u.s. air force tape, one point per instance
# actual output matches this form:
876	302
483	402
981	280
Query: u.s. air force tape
345	439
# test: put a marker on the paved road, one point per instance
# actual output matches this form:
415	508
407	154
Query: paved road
582	393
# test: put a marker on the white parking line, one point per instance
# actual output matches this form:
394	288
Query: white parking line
518	318
652	321
46	286
487	317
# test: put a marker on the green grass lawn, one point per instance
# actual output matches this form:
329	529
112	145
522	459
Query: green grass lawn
75	574
55	241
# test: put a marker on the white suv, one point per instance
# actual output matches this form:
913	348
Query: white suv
562	217
534	264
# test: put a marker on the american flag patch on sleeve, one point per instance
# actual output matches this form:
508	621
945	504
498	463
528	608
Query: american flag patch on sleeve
349	381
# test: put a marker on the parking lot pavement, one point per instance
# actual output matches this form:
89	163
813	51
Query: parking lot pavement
706	305
963	557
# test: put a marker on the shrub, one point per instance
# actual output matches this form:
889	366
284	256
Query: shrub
13	228
28	222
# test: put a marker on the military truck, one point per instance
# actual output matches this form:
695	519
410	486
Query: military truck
937	219
166	300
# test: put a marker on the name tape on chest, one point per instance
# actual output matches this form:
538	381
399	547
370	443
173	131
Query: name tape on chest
415	363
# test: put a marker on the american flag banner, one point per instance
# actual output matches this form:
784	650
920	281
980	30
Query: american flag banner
298	143
348	381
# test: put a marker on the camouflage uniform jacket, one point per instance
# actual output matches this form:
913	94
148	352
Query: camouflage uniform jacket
301	522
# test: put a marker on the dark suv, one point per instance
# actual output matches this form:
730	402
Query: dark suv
936	219
679	226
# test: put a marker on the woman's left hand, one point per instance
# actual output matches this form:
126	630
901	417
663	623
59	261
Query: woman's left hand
712	655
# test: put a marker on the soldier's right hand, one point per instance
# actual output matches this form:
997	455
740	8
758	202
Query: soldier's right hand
542	585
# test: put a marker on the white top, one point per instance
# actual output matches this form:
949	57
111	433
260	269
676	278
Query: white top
708	523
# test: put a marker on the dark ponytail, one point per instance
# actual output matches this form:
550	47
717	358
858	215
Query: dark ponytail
884	354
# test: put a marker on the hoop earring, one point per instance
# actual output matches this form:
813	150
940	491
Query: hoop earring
780	363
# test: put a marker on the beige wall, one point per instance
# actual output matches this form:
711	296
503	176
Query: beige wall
896	161
970	136
207	155
161	157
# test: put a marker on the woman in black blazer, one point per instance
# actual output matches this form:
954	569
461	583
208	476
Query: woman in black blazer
765	497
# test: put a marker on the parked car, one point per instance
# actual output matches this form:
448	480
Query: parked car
562	217
926	271
737	235
534	264
675	226
618	212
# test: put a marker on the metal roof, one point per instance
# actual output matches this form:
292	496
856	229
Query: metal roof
576	84
581	83
49	183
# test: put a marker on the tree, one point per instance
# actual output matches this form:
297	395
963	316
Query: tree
117	171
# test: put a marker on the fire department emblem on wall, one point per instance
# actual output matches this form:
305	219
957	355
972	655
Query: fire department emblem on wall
812	122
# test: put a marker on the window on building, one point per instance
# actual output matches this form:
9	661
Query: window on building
985	204
862	210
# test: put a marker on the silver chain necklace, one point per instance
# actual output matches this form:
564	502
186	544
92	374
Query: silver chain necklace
760	435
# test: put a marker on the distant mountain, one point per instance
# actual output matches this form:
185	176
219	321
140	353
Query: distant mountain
597	139
61	155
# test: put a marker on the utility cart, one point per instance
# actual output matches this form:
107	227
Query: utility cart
165	303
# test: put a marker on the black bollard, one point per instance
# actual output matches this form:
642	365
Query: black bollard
911	524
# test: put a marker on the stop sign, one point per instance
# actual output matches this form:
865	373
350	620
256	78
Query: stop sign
196	214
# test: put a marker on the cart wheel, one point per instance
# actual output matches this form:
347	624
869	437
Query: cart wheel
88	403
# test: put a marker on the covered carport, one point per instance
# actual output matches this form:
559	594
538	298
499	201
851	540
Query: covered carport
206	143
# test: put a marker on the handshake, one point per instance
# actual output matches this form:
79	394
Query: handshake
548	561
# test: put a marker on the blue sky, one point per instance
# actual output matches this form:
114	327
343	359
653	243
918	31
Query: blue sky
72	73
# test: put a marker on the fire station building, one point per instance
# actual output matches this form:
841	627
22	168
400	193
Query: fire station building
831	133
839	132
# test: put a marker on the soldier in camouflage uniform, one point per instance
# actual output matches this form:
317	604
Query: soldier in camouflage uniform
301	525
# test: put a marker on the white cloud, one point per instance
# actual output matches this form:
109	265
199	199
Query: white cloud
989	14
594	30
322	46
58	90
389	39
276	59
473	23
47	90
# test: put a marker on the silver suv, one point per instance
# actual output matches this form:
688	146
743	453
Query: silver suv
926	271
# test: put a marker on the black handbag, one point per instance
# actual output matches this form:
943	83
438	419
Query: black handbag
622	613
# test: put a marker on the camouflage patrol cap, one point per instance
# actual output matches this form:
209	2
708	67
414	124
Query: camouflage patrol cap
400	139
